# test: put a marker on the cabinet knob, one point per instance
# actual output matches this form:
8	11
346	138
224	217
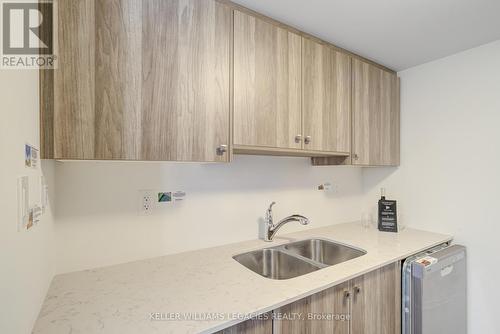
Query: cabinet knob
298	138
357	290
347	294
355	156
221	149
307	140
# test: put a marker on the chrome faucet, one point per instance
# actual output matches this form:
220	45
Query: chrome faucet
271	229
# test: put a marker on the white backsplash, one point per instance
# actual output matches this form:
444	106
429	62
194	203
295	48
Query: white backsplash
98	223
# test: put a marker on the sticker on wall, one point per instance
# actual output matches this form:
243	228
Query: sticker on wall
44	194
27	156
23	202
30	223
31	197
168	197
164	197
31	156
35	214
179	196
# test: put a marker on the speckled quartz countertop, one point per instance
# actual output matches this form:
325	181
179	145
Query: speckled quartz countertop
147	296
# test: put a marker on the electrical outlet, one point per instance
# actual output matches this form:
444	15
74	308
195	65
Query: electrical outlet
147	202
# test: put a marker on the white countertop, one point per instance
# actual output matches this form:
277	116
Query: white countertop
121	298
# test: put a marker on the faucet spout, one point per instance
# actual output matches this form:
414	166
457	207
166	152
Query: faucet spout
271	228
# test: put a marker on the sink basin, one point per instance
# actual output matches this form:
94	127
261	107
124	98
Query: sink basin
298	258
275	264
323	251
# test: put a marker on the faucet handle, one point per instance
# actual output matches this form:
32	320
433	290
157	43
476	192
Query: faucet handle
269	214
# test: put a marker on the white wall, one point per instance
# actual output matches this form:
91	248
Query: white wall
450	164
26	258
97	221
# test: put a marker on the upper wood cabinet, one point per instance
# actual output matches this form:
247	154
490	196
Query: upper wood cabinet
192	80
267	84
375	116
139	80
290	92
326	98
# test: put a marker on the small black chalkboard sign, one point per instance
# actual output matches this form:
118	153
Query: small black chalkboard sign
387	215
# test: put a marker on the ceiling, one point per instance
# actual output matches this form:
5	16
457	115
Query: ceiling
396	33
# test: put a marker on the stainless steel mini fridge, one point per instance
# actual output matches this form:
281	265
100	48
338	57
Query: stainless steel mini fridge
435	292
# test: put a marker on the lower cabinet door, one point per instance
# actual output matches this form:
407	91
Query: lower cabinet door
254	326
369	304
376	301
324	312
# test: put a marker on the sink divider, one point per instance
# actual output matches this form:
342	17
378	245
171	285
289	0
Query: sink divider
282	248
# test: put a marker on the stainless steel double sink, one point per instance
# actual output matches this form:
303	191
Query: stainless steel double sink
297	258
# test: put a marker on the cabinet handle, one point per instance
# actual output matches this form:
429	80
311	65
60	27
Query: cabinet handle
298	138
307	140
221	149
355	156
347	294
357	290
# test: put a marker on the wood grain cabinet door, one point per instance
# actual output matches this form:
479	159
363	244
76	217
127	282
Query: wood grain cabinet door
141	80
326	99
264	325
186	79
376	301
267	84
324	312
375	116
